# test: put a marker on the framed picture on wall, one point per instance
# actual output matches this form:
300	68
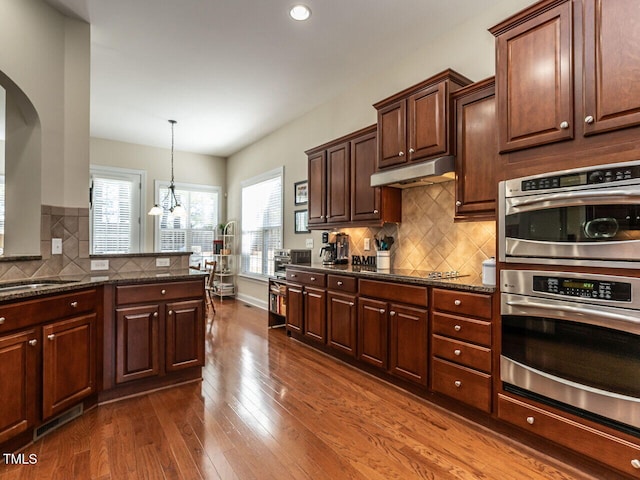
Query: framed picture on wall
301	220
301	192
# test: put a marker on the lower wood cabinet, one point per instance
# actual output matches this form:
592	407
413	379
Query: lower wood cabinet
137	343
295	308
342	318
373	331
315	311
408	343
184	334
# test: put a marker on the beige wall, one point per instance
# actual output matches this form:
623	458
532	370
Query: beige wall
468	49
156	162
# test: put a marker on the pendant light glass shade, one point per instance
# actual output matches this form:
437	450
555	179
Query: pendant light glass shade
170	201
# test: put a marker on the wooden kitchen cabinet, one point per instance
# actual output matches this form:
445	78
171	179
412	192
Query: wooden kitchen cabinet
18	380
137	343
566	85
306	309
342	314
340	191
373	329
477	158
184	334
414	125
295	308
408	343
315	311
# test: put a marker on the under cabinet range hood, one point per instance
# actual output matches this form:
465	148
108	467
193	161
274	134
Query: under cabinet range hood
437	170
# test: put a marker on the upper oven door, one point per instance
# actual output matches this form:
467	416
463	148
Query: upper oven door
580	226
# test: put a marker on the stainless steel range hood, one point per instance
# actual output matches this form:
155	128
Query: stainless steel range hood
438	170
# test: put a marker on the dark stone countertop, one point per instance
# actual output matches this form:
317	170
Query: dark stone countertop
471	283
62	284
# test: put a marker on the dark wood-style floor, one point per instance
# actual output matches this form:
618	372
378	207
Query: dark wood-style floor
272	408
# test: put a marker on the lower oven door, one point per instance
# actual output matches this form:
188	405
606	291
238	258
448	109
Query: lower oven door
572	354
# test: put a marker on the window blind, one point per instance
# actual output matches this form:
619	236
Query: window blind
112	218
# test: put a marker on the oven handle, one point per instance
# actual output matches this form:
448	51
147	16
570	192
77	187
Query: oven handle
577	198
588	312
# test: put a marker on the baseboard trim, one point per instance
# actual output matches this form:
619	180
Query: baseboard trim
253	301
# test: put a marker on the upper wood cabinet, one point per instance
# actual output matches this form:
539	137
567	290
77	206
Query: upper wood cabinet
414	125
567	70
340	191
477	157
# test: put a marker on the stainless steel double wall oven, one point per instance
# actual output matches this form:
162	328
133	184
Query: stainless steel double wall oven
571	336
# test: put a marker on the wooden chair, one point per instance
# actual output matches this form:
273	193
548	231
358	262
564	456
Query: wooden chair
209	292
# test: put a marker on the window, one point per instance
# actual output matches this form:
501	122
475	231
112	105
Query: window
261	222
195	232
2	213
115	196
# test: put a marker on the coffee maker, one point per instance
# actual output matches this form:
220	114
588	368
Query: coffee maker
335	250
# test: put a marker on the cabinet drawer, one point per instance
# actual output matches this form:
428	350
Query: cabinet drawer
395	292
610	450
465	329
461	352
465	303
342	283
155	292
306	278
33	312
462	383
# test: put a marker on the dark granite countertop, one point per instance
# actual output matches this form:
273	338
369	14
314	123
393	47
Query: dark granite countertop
61	284
471	283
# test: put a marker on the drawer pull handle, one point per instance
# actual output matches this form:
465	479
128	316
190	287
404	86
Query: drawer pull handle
74	304
51	336
457	383
155	314
392	313
457	328
163	292
457	303
635	463
457	352
381	310
33	342
340	284
313	279
530	420
2	320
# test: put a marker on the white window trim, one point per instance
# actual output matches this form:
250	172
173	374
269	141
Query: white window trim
276	172
181	186
115	171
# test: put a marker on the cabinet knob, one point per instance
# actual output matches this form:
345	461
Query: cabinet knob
635	463
304	293
381	310
457	383
351	304
401	154
170	312
457	328
51	336
411	150
589	120
376	211
2	319
33	342
392	313
564	125
74	304
457	303
163	292
313	279
458	203
155	314
293	275
340	283
321	217
530	420
457	352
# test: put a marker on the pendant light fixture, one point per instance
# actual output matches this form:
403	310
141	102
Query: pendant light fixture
170	202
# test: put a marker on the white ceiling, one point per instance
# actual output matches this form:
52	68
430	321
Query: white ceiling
232	71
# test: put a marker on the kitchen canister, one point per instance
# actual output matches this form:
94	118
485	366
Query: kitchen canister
383	260
489	271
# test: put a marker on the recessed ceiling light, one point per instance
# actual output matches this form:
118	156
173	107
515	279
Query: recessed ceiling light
300	12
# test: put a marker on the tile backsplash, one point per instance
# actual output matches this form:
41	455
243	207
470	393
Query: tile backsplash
428	238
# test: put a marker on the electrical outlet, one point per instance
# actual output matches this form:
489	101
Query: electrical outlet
56	246
163	262
309	243
99	264
367	244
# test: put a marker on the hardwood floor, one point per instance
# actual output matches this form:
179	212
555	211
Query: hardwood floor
272	408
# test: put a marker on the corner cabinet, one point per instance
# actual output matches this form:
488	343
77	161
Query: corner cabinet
414	125
340	192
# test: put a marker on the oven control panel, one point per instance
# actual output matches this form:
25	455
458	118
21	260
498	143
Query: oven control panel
583	288
596	176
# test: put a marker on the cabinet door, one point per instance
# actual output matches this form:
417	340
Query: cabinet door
184	333
317	201
365	199
392	141
534	81
68	359
342	317
427	122
408	346
611	65
315	311
295	308
338	192
18	357
476	155
137	343
372	332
